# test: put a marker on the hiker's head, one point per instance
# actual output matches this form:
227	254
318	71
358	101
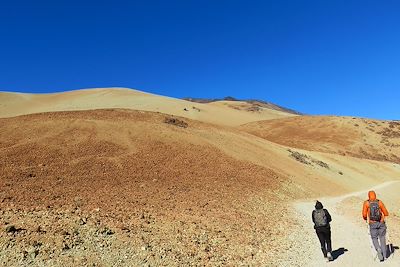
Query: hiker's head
371	195
318	205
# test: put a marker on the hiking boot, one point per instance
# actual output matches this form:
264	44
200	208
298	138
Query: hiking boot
330	258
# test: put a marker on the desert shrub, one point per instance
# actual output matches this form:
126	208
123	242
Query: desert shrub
176	122
321	163
303	158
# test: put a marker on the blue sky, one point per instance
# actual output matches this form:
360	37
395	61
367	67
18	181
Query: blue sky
318	57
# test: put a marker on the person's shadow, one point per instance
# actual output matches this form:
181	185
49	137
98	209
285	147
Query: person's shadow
338	252
390	248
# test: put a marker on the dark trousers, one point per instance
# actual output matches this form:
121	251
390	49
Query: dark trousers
324	236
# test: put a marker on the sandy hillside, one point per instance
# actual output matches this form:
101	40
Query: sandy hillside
73	172
13	104
357	137
123	187
258	110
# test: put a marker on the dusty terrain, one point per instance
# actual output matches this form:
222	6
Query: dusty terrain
358	137
13	104
248	105
87	183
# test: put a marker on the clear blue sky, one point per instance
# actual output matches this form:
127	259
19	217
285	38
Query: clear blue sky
318	57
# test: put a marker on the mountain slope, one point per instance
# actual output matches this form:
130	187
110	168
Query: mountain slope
13	104
249	104
126	187
363	138
151	187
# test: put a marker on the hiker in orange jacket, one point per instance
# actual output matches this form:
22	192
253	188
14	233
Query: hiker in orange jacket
374	212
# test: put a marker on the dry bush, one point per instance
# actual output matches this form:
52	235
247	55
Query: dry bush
321	163
176	122
303	158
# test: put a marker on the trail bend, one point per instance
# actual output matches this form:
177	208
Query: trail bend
350	240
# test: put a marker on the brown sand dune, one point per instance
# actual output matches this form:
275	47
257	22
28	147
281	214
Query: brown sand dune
13	104
364	138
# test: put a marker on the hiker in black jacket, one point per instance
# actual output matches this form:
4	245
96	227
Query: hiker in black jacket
321	219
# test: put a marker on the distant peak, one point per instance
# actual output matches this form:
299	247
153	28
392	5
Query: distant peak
230	98
259	103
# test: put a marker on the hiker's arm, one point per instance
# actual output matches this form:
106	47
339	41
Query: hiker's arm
328	216
383	209
365	210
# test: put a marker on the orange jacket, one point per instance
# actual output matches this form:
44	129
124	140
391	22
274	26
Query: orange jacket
365	211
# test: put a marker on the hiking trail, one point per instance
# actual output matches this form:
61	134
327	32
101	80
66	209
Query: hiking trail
350	242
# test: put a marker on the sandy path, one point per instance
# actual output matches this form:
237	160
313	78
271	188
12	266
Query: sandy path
351	242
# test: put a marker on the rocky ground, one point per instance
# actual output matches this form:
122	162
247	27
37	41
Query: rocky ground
57	238
133	188
118	188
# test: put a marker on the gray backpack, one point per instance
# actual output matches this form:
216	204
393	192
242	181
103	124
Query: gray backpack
320	218
374	211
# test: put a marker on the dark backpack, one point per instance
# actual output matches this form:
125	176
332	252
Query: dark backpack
320	218
374	211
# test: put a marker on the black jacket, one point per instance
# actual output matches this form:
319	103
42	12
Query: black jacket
328	216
